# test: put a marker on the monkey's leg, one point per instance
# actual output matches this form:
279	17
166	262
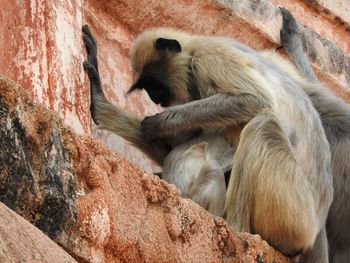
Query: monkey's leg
112	118
267	194
220	110
291	41
209	190
335	115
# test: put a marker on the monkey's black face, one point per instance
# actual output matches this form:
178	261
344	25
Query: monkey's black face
153	77
157	91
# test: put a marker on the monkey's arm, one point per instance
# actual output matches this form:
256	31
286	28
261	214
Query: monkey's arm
220	110
111	118
291	42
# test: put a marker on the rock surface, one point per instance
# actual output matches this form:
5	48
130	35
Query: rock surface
98	206
20	241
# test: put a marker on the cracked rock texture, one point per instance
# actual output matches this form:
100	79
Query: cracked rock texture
98	206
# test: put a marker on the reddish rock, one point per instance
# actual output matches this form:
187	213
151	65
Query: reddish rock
98	206
41	49
20	241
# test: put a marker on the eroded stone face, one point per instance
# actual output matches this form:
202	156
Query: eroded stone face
98	206
41	50
36	178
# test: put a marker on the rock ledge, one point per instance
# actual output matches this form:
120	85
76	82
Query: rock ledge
98	206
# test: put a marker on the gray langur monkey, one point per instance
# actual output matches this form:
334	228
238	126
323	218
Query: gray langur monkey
280	183
335	116
195	163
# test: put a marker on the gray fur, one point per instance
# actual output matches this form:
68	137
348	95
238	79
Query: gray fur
335	116
272	187
270	191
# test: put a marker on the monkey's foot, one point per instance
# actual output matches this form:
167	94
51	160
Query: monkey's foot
91	71
89	41
289	32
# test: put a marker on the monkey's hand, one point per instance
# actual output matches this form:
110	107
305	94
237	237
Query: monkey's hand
91	68
160	124
151	127
91	46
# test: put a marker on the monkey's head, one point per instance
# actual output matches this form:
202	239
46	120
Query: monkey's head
161	65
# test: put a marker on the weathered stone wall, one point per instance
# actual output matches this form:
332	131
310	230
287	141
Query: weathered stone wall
95	204
41	47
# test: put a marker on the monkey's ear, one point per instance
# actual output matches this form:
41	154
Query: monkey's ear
172	45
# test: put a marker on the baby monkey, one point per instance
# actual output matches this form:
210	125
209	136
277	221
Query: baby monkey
200	168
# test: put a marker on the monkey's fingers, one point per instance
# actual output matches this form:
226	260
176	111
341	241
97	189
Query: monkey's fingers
150	126
289	31
90	45
87	33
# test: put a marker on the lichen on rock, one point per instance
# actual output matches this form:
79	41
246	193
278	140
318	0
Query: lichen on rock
36	177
